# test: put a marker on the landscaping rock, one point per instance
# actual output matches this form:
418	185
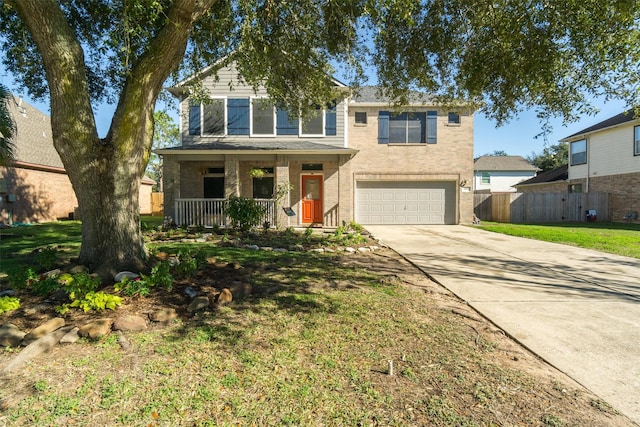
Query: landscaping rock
321	250
130	323
253	247
53	273
374	248
198	303
10	335
298	248
350	250
96	329
36	348
58	296
279	250
364	249
224	297
70	337
123	341
240	290
266	248
163	315
7	293
42	330
38	308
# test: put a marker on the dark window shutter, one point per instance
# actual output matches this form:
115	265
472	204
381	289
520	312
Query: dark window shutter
432	127
238	116
284	125
194	119
383	127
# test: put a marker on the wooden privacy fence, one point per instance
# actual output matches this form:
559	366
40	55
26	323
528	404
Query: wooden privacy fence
157	203
521	208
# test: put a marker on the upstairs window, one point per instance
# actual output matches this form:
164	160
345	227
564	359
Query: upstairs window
313	125
208	118
361	118
262	117
407	128
453	118
636	141
578	152
486	178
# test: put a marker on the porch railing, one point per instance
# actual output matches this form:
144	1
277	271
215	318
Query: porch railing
210	212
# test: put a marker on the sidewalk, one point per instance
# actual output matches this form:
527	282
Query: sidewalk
577	309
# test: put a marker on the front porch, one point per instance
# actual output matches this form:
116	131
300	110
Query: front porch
211	212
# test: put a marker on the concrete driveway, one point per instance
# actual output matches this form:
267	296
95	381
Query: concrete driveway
577	309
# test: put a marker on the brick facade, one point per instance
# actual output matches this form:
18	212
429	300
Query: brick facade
623	194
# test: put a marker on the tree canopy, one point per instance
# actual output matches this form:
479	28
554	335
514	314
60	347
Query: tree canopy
502	55
551	157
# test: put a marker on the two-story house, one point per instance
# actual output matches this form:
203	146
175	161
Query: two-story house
605	158
356	159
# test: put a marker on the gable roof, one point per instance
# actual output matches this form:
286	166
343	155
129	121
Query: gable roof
560	173
33	141
616	120
503	163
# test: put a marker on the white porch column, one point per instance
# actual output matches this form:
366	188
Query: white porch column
282	178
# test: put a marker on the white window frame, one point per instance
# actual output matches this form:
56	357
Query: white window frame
316	135
224	117
572	153
275	119
636	140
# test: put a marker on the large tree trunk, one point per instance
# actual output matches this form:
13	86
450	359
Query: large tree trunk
106	173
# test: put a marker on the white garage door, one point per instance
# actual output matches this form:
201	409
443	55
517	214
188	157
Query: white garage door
381	202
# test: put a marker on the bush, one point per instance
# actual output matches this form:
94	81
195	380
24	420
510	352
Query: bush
47	258
79	285
244	213
93	301
9	304
21	276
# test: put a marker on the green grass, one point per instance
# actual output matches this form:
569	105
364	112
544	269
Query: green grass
310	347
615	238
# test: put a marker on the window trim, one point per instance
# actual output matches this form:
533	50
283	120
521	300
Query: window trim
454	123
360	123
324	126
572	153
273	116
423	130
636	140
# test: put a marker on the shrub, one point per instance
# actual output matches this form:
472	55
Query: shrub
47	257
93	301
9	304
160	275
244	213
44	285
79	285
133	287
19	277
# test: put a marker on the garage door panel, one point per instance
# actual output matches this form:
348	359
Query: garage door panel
405	202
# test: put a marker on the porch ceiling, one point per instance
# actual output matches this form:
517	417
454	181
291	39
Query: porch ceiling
261	147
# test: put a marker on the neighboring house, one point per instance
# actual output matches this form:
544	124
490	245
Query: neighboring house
357	159
552	181
605	158
499	174
35	187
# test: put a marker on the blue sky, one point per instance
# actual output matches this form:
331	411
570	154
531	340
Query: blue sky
515	138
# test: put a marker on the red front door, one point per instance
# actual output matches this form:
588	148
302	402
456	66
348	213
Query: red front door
311	199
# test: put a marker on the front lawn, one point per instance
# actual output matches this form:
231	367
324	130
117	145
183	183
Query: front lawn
611	237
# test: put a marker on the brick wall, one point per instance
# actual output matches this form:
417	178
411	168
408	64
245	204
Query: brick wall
624	195
548	187
450	159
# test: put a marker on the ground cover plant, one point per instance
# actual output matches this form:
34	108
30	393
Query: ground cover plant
611	237
323	339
